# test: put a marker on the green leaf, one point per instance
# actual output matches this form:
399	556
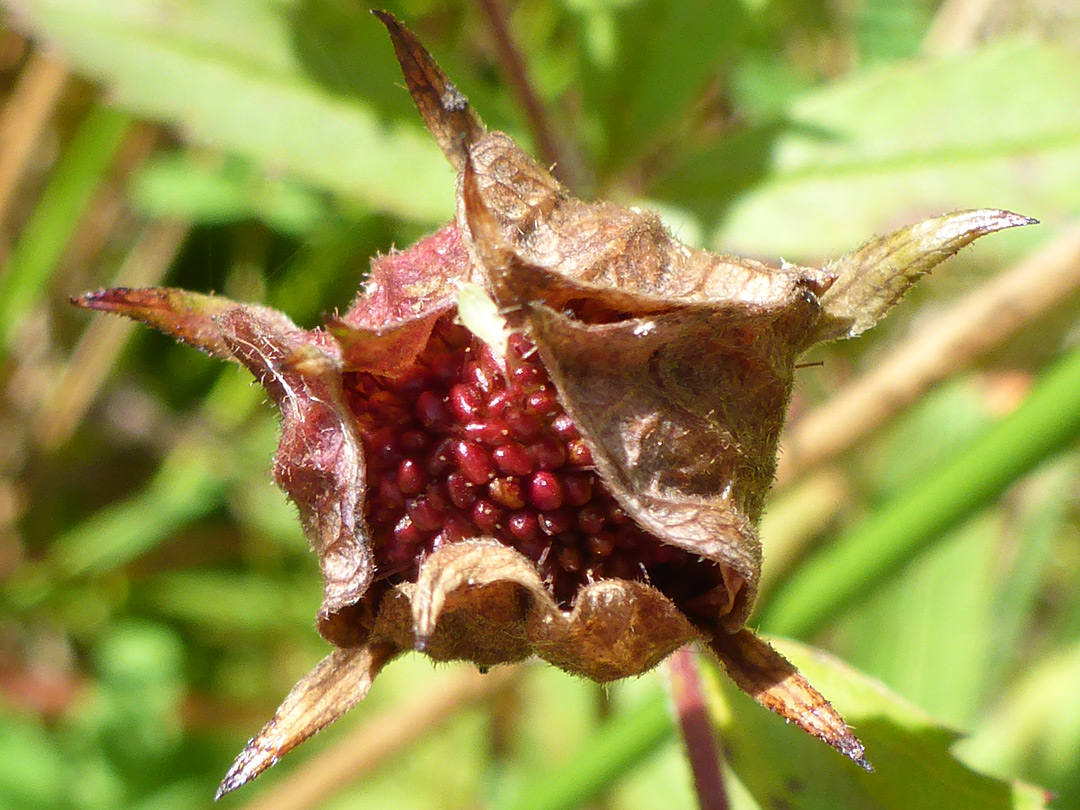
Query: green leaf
892	29
34	770
234	75
997	127
227	603
914	767
181	186
666	53
1036	727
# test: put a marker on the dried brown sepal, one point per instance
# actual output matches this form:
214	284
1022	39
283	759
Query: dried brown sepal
874	277
446	111
771	680
615	629
318	462
391	318
189	317
338	682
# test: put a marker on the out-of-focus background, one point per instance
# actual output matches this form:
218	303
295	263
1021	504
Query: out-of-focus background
157	598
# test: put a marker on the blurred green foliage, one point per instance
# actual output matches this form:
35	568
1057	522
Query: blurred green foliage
158	598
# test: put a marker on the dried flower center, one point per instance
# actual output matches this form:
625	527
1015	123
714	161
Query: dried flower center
468	444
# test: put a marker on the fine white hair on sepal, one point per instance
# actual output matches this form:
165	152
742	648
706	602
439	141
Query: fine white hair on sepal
481	316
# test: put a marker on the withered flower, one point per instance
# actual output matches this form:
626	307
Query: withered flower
547	429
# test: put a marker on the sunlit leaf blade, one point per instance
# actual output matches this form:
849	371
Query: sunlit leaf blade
915	769
1036	727
254	94
888	144
178	186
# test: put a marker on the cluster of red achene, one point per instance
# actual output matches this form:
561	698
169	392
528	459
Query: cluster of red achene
470	444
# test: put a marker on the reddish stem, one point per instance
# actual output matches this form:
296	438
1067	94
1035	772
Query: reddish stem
516	74
697	732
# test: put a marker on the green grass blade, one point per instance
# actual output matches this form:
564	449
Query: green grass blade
42	242
1047	422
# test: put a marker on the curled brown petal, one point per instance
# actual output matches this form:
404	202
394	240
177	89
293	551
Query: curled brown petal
319	462
475	590
484	602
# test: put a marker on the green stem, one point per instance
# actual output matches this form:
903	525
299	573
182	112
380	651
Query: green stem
628	738
1047	422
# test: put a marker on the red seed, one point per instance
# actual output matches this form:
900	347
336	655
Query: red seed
520	346
384	444
514	458
446	367
410	477
577	488
524	425
487	516
591	518
542	401
569	559
578	453
490	432
465	402
557	522
407	533
424	514
432	411
474	462
436	493
441	457
535	548
390	493
414	442
545	491
549	454
526	374
416	379
600	545
501	401
455	528
462	493
523	526
508	492
563	427
480	378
